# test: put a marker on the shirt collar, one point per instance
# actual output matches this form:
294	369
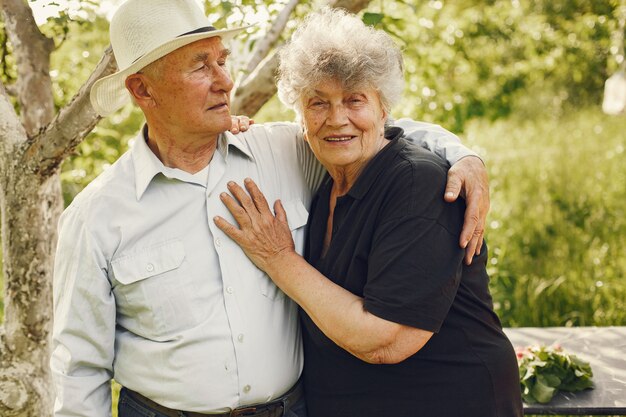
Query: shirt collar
227	139
375	166
147	165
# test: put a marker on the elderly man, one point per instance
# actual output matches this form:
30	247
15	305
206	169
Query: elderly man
147	290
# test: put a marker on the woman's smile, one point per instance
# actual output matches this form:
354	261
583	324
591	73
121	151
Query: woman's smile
339	138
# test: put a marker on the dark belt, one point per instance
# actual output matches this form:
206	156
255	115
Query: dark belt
274	408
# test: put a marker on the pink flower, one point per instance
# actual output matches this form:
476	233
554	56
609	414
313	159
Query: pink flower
520	352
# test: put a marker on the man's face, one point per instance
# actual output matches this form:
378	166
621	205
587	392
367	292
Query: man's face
191	89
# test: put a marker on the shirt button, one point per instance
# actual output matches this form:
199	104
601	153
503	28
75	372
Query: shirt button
218	242
229	290
240	338
246	389
149	267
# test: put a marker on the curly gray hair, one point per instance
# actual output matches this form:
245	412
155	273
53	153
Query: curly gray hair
333	44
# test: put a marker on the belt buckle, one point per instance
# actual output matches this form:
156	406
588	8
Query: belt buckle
250	411
247	411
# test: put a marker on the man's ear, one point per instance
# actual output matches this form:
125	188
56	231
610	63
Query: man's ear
136	84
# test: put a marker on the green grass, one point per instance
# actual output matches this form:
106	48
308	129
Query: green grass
557	226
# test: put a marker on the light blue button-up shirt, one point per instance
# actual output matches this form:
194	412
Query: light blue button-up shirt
147	290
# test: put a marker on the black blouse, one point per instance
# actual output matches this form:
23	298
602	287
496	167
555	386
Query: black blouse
395	243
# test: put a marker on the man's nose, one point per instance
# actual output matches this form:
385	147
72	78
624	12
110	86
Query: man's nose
222	80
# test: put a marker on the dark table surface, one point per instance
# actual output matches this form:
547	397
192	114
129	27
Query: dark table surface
603	347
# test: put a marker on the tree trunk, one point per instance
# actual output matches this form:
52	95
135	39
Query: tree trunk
30	209
30	204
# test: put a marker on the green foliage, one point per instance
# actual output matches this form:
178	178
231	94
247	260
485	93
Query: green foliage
61	26
472	59
80	47
372	19
7	62
544	371
557	226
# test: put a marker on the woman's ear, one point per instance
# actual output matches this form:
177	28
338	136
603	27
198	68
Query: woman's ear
139	91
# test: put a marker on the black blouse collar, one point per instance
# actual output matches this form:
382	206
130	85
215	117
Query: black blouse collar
377	164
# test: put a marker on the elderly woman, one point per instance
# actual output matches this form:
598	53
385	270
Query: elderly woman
394	323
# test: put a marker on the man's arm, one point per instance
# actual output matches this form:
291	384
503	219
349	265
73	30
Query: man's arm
84	324
436	139
467	177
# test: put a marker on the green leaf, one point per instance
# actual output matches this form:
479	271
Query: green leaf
550	380
546	370
542	392
372	19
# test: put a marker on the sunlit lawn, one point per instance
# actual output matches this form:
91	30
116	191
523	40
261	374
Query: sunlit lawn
557	226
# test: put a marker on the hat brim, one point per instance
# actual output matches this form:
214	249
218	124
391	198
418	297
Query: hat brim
109	93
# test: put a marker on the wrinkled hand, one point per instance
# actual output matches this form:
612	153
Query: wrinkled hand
468	178
240	124
261	235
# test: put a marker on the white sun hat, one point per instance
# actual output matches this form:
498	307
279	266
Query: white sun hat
143	31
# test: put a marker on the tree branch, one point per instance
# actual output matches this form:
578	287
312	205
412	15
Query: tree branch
260	85
32	56
264	45
71	125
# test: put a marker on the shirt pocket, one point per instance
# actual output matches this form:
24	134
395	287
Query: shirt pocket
150	291
297	217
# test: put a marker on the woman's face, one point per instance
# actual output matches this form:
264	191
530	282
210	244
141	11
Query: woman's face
345	129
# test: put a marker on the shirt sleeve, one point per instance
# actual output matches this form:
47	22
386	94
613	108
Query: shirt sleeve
436	139
415	263
287	139
84	323
313	170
